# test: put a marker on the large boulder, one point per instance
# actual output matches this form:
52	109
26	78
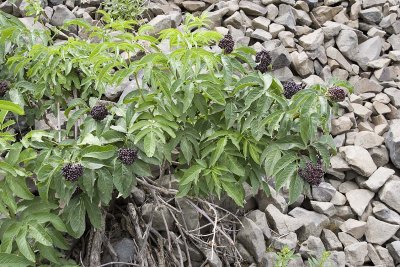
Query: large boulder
393	142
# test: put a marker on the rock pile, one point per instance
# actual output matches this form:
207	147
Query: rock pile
355	213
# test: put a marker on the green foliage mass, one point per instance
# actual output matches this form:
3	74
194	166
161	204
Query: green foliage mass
210	115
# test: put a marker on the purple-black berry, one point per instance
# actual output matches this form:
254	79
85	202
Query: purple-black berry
99	112
263	58
4	86
312	172
227	44
72	171
337	94
127	155
290	88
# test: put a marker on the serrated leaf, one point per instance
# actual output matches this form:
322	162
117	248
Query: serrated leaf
306	129
295	188
218	150
11	260
98	152
23	245
284	175
149	144
19	187
191	175
270	157
39	233
234	191
283	162
44	217
230	114
105	185
215	94
234	166
93	212
10	106
123	178
49	253
186	149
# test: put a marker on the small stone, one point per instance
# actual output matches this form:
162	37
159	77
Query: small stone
262	35
313	40
280	222
378	232
330	240
125	250
394	250
394	96
325	13
378	178
359	160
356	253
323	192
158	219
275	29
312	222
347	187
341	125
380	155
302	64
359	200
347	43
338	199
335	54
392	142
261	23
394	55
353	227
346	239
252	9
389	194
382	212
61	14
159	23
312	247
365	85
337	258
371	15
259	218
326	208
368	140
252	238
368	51
361	111
289	240
194	6
385	256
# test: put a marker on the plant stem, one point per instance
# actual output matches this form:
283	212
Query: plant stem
76	123
58	121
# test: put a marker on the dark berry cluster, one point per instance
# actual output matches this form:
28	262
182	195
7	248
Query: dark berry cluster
312	173
263	58
336	94
99	112
127	155
290	88
227	44
4	86
72	171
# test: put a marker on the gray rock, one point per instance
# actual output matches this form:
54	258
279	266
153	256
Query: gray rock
368	51
337	259
149	211
368	139
280	58
193	6
338	199
274	198
252	238
244	253
346	239
394	250
280	222
361	111
378	232
213	259
325	13
359	160
289	240
61	14
394	55
259	218
347	43
359	200
356	253
312	222
313	40
125	250
159	23
382	212
235	20
302	64
138	195
262	35
252	9
378	178
384	255
347	187
261	23
394	40
323	192
380	155
392	142
371	15
114	91
389	194
394	96
189	216
341	125
365	85
287	19
312	247
330	240
326	208
353	227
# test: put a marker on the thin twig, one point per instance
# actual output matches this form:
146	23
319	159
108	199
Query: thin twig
59	121
214	231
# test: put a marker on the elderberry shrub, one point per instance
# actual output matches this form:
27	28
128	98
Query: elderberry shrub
312	172
99	112
263	58
227	44
336	94
72	171
4	87
290	88
127	155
